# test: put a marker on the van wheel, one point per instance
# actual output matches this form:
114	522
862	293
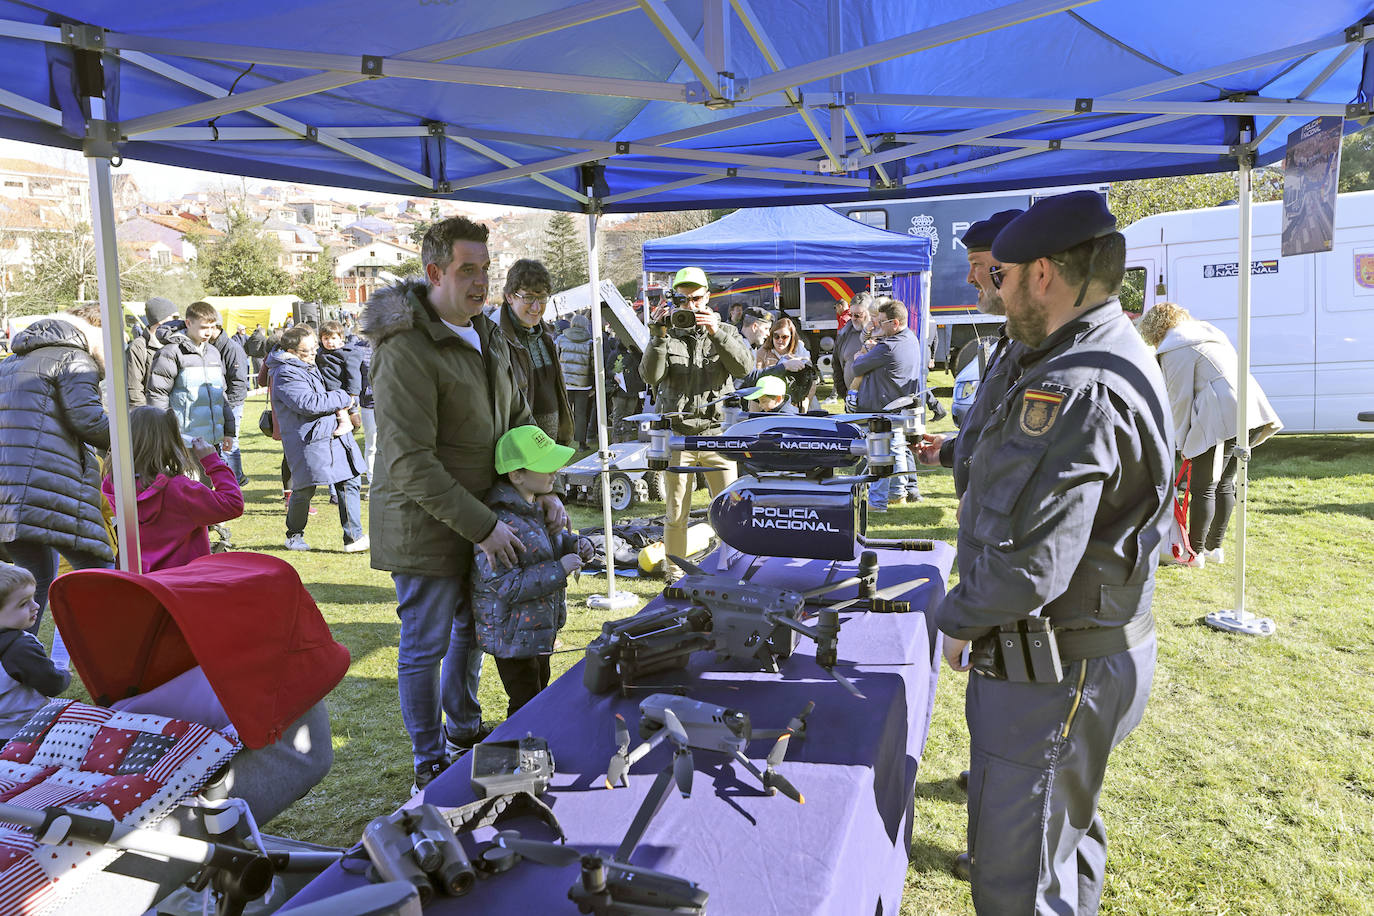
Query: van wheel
622	492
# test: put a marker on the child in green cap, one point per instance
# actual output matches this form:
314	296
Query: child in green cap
519	610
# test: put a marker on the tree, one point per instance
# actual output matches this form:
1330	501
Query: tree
244	262
1357	162
62	266
417	235
410	267
564	255
316	283
1134	200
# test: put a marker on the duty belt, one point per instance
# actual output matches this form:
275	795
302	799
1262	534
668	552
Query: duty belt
1033	650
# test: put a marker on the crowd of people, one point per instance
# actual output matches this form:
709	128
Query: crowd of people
1064	469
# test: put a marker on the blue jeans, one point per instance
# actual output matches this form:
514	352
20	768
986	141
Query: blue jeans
233	457
41	562
350	509
439	664
879	490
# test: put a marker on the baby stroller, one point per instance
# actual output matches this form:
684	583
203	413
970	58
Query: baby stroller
228	644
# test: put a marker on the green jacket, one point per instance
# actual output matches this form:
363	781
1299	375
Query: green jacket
559	426
689	368
440	407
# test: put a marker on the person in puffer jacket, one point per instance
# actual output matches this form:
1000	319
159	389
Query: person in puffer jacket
187	376
575	356
51	420
519	610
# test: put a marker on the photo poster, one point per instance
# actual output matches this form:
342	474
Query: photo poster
1311	168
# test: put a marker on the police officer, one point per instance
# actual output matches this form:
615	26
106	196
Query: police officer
690	364
992	385
1068	486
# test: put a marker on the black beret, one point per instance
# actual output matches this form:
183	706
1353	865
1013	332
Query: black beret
979	236
754	313
1052	225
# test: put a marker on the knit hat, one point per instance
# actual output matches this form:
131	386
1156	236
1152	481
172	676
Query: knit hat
157	310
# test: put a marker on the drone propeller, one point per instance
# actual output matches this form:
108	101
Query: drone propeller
845	682
682	759
737	393
695	570
774	780
620	763
829	587
888	593
540	851
868	478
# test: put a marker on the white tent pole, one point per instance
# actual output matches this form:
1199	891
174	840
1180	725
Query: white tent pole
112	331
610	600
1237	619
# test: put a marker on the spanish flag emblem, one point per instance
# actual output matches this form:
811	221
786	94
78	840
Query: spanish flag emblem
1039	410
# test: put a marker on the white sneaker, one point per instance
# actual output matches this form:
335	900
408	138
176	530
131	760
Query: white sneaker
357	546
1216	555
297	542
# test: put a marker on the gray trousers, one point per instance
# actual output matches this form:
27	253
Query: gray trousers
1037	759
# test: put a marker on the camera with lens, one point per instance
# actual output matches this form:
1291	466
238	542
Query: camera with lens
682	317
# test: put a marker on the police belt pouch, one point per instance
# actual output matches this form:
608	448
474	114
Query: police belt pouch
1031	650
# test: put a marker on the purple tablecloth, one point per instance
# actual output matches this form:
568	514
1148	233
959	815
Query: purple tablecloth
843	851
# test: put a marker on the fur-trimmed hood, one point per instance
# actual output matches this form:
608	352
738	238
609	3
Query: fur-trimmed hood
390	310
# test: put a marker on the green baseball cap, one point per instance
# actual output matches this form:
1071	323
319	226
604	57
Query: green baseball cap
769	386
690	276
530	448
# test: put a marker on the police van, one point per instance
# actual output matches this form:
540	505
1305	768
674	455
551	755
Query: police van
1312	315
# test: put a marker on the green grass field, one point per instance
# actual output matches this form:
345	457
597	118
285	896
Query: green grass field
1248	789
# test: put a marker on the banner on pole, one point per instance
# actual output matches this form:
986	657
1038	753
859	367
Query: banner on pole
1311	167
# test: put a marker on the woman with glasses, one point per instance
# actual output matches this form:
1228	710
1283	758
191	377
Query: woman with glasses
784	354
534	355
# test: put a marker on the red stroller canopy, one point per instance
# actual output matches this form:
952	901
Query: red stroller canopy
245	618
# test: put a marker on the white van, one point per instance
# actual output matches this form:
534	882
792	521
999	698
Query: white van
1312	316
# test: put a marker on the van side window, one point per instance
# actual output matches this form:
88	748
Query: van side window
1133	291
875	218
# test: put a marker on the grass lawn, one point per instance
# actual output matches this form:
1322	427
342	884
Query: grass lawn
1248	789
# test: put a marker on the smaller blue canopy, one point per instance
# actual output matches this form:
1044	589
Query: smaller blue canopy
780	241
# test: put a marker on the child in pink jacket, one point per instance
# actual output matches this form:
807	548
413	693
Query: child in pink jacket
174	508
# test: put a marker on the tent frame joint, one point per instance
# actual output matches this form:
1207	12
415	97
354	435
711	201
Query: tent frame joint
443	187
1357	110
437	129
85	37
622	147
102	139
1055	144
1082	106
372	66
312	133
1356	32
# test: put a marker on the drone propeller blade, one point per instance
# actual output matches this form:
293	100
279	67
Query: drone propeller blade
780	783
892	591
779	750
846	683
620	761
798	724
829	587
674	724
695	570
904	401
683	768
538	850
642	417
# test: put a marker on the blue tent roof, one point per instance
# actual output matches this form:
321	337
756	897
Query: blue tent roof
778	241
504	102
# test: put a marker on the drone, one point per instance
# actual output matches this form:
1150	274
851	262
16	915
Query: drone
740	620
694	724
802	492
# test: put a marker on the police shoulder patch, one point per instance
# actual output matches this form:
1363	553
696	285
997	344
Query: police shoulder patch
1039	409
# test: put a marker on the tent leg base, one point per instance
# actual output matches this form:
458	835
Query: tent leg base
1243	623
617	602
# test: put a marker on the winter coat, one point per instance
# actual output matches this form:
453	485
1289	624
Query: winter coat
27	679
575	353
519	611
257	345
1201	376
361	346
50	416
236	371
341	369
848	342
891	370
523	364
173	513
689	368
138	360
440	407
304	412
190	382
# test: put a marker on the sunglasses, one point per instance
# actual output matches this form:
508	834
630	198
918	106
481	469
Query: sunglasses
998	274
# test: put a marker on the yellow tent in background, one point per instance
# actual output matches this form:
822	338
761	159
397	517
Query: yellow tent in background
251	311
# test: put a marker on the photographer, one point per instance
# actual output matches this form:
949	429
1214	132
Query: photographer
691	360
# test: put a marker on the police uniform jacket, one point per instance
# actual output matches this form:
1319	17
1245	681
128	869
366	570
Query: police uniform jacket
1069	485
992	391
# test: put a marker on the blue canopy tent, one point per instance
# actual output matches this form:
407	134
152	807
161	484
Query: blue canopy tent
802	241
632	105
